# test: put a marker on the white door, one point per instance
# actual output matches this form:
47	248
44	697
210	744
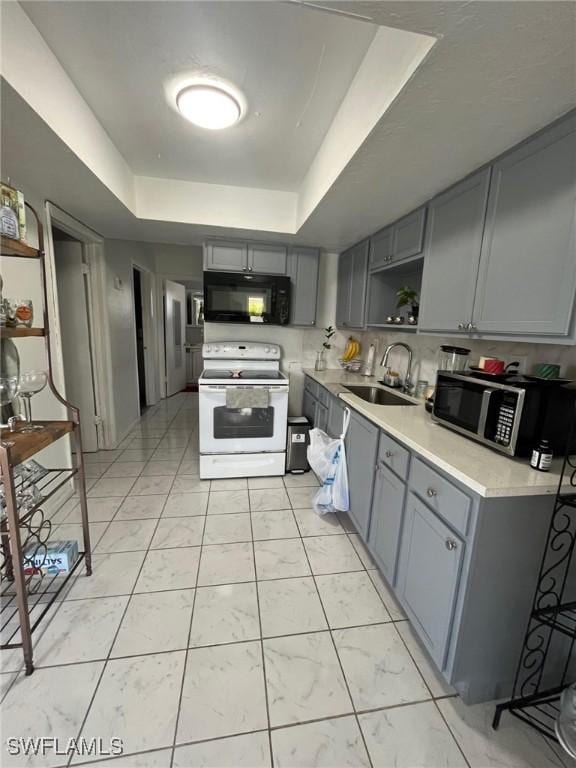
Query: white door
72	281
174	325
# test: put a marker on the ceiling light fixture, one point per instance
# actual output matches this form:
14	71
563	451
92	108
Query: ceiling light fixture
209	105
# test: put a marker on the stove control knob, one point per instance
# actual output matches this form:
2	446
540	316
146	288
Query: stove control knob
216	349
207	348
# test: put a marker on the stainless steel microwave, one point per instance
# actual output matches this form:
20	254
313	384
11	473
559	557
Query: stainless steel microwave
510	416
234	297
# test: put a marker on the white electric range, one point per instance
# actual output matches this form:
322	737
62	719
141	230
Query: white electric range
242	441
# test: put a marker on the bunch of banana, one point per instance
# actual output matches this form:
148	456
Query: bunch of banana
352	350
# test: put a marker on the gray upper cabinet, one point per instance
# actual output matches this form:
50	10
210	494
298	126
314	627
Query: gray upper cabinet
303	265
452	254
409	235
429	576
386	520
226	256
343	290
361	449
527	277
398	241
381	245
267	259
352	284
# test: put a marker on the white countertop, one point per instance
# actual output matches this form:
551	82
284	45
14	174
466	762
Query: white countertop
481	469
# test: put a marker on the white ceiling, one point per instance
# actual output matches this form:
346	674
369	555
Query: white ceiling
499	72
294	66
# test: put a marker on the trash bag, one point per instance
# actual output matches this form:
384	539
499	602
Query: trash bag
327	458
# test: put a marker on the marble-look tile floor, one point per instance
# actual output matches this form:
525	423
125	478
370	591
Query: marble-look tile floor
226	625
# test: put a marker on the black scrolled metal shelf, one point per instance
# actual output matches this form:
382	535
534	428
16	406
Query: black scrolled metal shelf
544	668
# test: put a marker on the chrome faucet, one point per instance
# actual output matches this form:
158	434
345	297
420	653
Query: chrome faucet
407	386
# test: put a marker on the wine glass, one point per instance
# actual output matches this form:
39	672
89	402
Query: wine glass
8	390
30	384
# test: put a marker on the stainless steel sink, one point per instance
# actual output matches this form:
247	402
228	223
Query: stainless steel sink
378	396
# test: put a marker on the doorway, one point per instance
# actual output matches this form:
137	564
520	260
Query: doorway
74	310
140	345
174	338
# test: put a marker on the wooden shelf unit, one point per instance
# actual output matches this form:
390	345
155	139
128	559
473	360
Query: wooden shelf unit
20	332
12	247
21	525
23	445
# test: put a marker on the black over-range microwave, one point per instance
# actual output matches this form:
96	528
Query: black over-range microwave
235	297
510	416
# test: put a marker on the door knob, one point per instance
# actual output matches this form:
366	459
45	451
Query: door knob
451	545
389	454
431	492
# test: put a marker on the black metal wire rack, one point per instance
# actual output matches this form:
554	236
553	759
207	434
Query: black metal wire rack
547	663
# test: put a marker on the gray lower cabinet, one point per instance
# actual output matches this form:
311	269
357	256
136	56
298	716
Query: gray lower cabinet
452	248
429	576
352	285
303	266
463	567
267	259
309	406
527	277
335	416
386	520
226	255
361	450
321	416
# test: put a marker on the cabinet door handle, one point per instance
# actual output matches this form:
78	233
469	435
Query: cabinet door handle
461	326
389	454
451	545
431	492
249	269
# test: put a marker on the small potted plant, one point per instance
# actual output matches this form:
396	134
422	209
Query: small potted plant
408	297
320	364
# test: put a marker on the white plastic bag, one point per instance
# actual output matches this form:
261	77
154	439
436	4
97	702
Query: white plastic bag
327	458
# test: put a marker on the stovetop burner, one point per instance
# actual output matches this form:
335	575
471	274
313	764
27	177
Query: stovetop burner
242	374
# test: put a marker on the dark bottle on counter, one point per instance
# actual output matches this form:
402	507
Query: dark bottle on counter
542	456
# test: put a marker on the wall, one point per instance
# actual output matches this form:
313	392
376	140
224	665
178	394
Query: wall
426	348
121	255
177	262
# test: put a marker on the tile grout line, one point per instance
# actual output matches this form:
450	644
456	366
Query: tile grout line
108	657
354	712
265	680
189	637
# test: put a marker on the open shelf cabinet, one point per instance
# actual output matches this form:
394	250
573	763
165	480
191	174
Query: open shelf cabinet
383	287
26	593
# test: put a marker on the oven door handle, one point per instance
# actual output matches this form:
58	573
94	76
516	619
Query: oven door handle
486	395
212	388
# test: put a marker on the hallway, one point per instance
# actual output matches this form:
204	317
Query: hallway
226	624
